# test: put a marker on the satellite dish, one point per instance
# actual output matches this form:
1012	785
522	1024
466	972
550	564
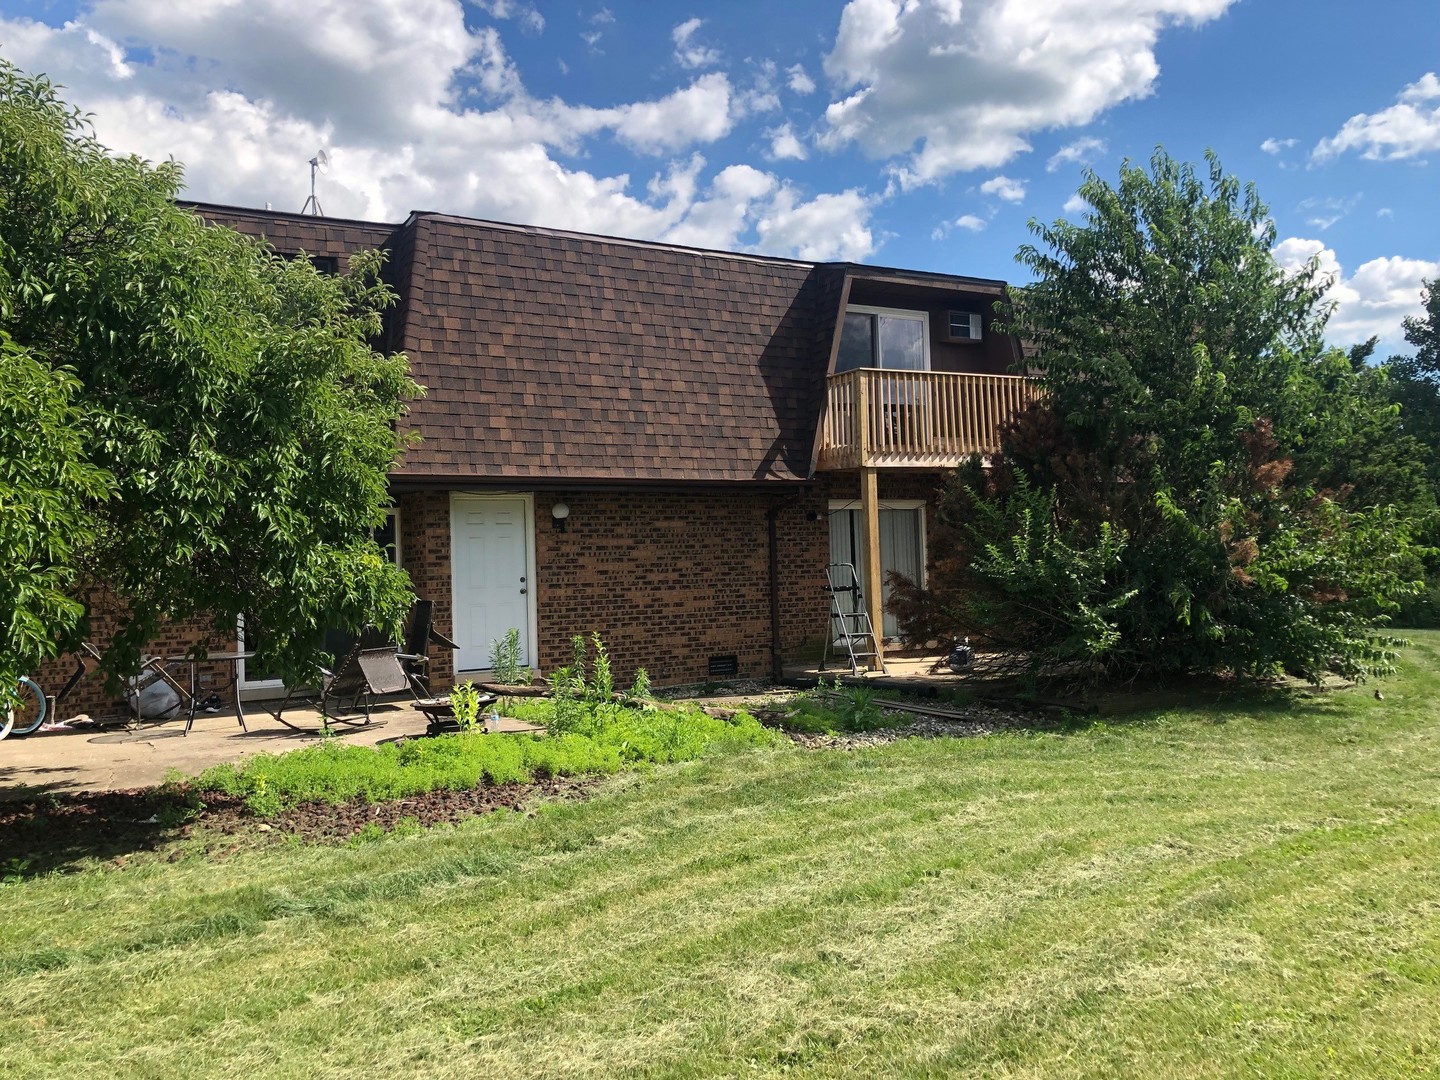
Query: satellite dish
322	161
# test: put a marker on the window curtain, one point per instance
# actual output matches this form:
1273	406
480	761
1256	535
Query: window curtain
900	551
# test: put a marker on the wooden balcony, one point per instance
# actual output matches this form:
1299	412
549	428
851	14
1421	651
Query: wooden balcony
915	419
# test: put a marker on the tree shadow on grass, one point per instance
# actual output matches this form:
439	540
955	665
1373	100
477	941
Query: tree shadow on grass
52	831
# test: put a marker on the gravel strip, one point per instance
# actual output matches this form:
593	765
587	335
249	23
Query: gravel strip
980	720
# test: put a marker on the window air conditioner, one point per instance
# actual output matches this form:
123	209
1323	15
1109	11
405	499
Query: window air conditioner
962	326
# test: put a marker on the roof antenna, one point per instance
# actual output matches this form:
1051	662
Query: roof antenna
321	163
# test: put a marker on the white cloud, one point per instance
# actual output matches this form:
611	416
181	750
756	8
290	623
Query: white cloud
969	222
1075	204
688	54
529	18
1277	146
1003	187
1327	210
1385	212
418	111
785	145
1371	302
947	87
760	96
1407	129
1080	152
823	228
699	113
800	81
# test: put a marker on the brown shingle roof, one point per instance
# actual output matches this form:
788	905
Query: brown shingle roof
290	234
564	357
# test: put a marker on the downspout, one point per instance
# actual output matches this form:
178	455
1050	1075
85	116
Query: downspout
777	659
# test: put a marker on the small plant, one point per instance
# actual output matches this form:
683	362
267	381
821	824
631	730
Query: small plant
566	697
834	708
640	688
465	704
602	683
505	666
263	801
577	659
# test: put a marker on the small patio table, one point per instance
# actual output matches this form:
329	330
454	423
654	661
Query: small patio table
194	662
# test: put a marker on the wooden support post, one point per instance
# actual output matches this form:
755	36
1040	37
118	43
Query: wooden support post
874	598
862	418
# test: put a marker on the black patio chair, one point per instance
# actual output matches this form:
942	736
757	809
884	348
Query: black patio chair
372	668
365	668
419	636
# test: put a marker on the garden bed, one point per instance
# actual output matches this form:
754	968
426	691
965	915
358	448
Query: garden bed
55	832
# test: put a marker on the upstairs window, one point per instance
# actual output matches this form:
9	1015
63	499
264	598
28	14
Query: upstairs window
324	264
884	338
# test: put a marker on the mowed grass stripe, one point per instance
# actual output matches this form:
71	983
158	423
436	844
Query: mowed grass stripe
1176	896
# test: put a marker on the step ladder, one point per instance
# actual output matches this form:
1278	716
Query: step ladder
853	629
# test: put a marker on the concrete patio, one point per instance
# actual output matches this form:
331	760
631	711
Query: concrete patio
111	758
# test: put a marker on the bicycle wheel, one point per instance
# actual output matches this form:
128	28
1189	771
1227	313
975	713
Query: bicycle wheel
28	712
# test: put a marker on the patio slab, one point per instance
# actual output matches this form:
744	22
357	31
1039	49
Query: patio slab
90	759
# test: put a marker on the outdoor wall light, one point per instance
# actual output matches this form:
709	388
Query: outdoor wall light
560	512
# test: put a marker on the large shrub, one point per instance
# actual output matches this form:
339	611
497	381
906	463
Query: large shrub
1182	498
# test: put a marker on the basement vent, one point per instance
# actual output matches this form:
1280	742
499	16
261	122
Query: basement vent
724	665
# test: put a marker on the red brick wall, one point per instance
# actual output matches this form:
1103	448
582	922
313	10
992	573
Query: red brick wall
425	554
668	580
671	580
90	695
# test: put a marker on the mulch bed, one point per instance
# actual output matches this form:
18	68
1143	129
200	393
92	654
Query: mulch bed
56	831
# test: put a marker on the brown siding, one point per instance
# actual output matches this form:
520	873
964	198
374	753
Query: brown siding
993	354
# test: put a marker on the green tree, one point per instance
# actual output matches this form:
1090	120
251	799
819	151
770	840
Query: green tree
1174	503
190	423
1412	383
1415	380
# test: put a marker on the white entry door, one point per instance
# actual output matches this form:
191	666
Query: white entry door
491	568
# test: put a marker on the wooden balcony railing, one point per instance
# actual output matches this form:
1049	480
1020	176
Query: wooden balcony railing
915	419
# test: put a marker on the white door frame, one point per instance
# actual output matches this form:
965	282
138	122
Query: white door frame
531	585
896	504
256	688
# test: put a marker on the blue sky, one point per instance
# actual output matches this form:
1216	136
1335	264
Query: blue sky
915	133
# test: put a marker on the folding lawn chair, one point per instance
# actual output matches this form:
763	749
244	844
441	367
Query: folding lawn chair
371	669
418	637
365	668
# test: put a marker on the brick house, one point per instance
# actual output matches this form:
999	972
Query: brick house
663	444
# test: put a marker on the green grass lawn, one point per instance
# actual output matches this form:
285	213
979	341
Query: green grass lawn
1245	889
